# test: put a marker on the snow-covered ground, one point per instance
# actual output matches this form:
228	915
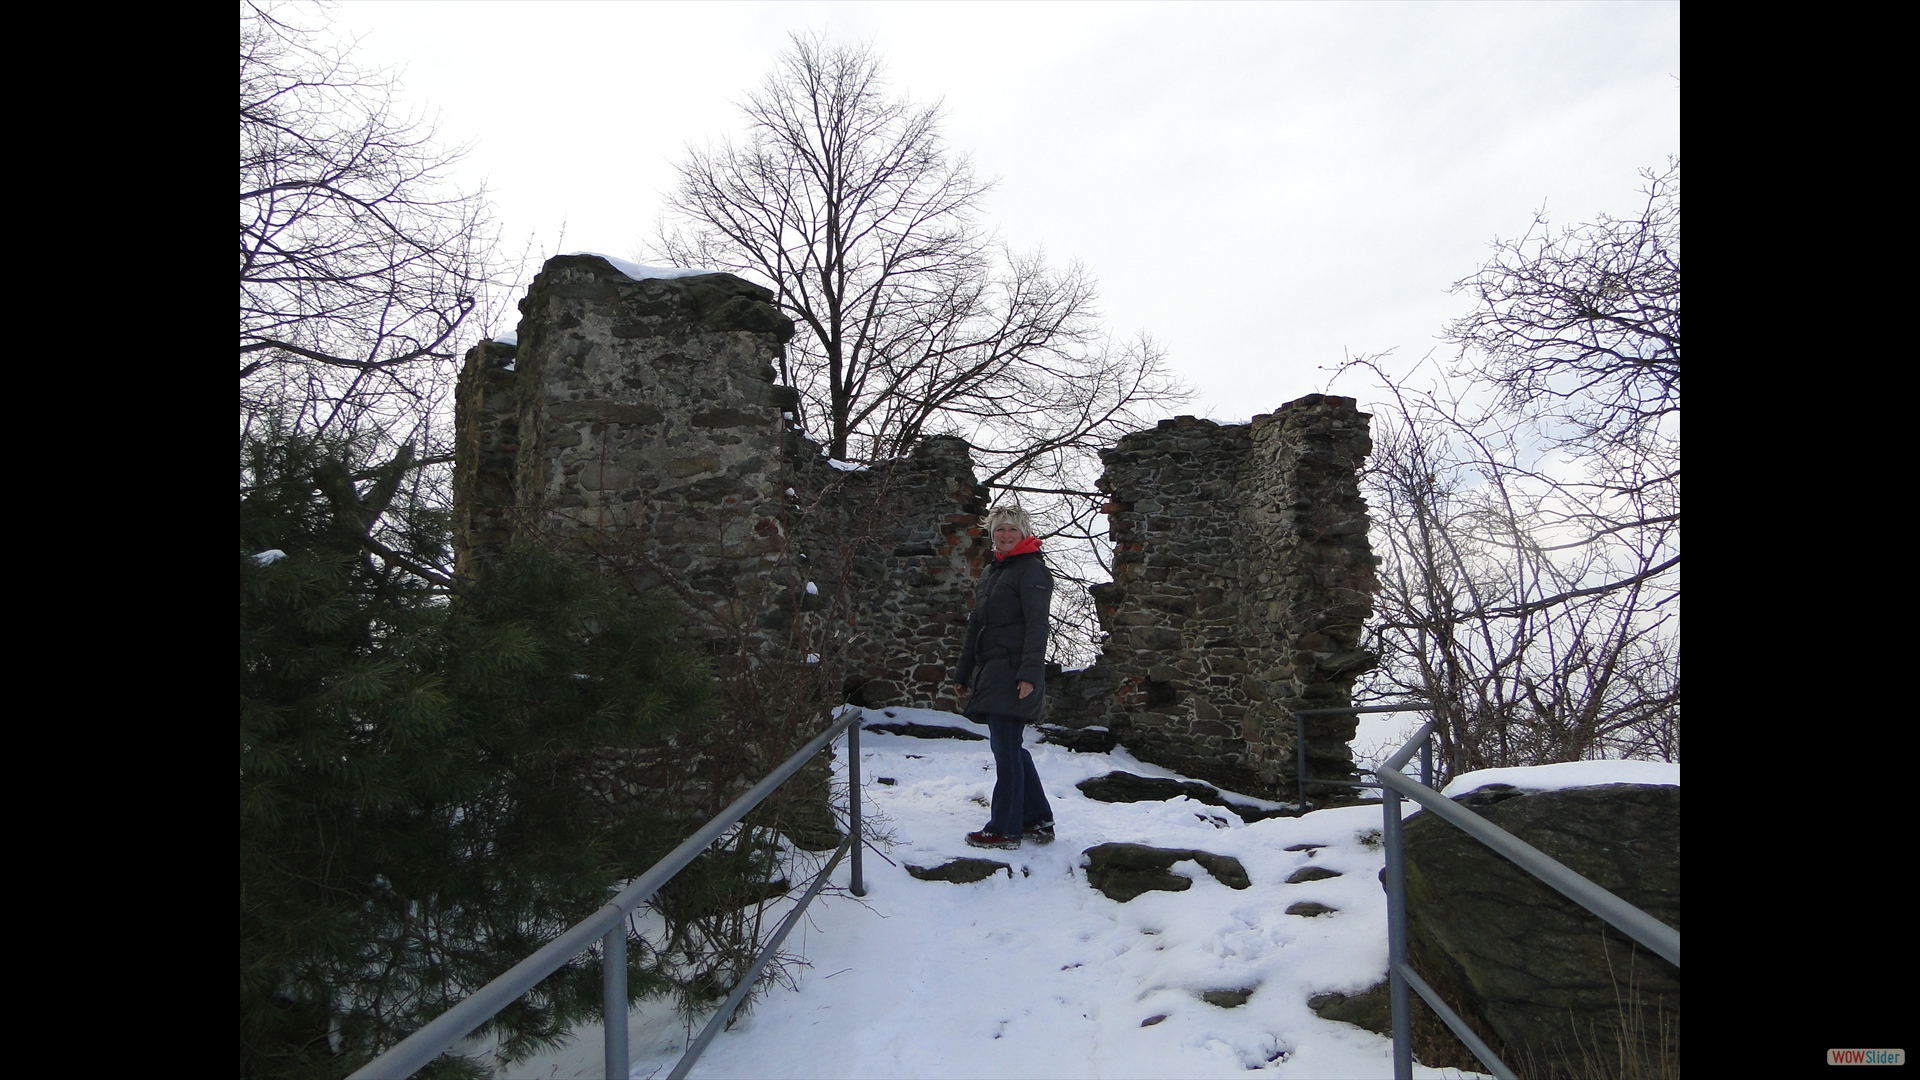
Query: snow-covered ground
1034	973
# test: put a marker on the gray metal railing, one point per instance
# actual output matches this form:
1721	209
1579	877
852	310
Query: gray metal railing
609	926
1300	746
1636	924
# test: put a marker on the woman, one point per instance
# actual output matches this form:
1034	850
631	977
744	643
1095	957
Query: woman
1003	674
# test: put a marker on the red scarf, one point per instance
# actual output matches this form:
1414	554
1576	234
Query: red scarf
1027	544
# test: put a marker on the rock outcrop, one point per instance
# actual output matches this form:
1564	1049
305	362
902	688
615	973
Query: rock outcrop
1124	871
1535	974
926	731
1371	1009
1124	787
1086	740
960	871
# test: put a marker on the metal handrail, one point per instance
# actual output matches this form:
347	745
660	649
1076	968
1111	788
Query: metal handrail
609	926
1630	920
1300	745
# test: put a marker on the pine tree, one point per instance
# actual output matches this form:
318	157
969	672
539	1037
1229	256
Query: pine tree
433	782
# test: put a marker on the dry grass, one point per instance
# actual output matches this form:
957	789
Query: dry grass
1641	1041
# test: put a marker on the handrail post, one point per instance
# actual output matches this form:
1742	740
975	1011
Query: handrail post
1426	760
853	801
1397	936
613	998
724	1015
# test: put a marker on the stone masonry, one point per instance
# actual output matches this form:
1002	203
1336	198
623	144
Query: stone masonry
1242	583
640	424
637	425
895	551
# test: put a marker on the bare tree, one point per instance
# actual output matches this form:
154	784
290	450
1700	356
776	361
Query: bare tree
360	263
914	321
1526	506
1540	635
1579	332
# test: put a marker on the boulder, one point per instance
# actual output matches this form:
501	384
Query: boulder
1124	871
1542	979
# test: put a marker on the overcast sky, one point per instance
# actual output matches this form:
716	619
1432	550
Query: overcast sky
1261	187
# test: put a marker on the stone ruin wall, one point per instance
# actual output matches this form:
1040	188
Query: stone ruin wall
1242	584
646	428
638	425
896	550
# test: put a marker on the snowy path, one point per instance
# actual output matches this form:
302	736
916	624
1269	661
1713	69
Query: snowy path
1040	975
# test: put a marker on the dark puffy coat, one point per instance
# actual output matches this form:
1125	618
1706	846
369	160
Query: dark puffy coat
1007	639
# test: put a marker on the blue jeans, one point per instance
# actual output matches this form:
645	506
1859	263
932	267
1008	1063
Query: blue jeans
1018	800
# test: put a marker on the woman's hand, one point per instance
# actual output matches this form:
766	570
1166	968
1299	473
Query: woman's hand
1025	688
960	689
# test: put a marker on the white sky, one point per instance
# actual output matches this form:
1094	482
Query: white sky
1262	187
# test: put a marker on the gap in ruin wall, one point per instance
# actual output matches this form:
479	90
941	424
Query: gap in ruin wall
638	425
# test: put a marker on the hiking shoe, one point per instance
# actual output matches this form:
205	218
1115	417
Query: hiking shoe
985	839
1041	833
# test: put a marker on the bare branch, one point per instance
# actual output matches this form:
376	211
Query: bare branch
847	203
912	320
361	266
1526	502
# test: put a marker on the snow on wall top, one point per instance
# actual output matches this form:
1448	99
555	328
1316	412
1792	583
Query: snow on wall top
634	270
1569	774
640	272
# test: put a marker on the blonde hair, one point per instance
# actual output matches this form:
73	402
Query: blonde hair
1009	514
